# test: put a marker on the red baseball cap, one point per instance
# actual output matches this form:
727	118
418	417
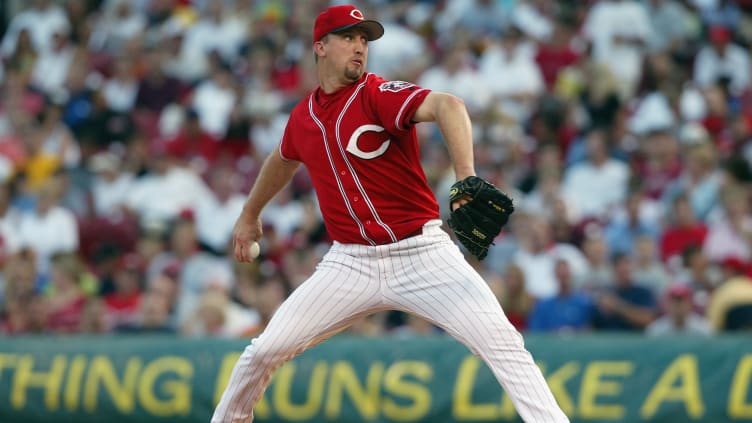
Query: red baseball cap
719	34
346	16
679	290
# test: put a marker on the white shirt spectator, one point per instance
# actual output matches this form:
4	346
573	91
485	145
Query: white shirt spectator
120	24
110	187
214	103
120	94
265	134
540	278
394	54
734	64
111	195
724	241
283	213
653	113
10	226
669	20
509	73
212	32
695	325
41	24
594	190
464	82
51	69
164	196
215	220
55	231
531	21
607	23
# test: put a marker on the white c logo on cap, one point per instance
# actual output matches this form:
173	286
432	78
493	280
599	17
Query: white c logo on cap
357	14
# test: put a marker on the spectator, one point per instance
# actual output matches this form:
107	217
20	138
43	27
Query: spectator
669	21
52	66
216	214
730	235
455	73
569	310
166	189
272	291
122	306
722	62
119	25
599	272
595	187
649	271
41	20
700	181
153	317
657	162
625	306
730	306
700	275
512	76
23	58
683	229
534	18
192	146
110	186
513	297
10	219
119	91
51	147
537	255
214	100
680	319
156	89
556	50
638	218
49	229
66	300
619	30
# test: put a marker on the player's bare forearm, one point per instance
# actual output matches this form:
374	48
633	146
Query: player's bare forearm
450	113
275	173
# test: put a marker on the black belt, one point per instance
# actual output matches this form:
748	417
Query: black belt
416	232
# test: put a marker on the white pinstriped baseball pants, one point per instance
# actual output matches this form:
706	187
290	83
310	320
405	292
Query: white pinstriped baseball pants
425	275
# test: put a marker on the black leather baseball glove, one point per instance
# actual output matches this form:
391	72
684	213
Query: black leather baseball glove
477	222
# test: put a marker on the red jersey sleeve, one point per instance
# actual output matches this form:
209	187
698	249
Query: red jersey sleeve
287	145
395	103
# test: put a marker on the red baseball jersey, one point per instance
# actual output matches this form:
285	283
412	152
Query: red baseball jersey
360	148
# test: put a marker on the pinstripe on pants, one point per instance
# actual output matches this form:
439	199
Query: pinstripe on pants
424	275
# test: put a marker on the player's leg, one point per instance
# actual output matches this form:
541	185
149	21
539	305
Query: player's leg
336	294
437	284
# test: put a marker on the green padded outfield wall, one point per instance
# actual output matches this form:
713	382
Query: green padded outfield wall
601	378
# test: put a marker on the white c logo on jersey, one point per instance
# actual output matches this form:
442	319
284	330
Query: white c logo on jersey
352	145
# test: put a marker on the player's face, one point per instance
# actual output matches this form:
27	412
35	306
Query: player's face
349	53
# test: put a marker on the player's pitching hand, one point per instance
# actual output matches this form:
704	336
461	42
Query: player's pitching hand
245	234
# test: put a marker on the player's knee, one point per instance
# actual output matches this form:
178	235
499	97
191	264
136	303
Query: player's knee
266	352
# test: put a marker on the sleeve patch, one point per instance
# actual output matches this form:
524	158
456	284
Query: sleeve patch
395	86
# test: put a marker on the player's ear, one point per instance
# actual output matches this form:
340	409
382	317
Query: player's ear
318	47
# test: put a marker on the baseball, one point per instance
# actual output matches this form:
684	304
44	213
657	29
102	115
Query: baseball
255	249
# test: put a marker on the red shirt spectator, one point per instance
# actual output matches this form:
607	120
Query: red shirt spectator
193	145
685	231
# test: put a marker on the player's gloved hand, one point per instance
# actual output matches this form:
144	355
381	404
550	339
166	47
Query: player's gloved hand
477	222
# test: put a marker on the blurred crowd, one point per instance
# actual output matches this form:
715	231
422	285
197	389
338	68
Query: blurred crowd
131	131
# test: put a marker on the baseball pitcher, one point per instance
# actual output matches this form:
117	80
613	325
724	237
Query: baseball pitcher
355	134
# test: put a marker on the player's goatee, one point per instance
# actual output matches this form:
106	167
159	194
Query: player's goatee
353	74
